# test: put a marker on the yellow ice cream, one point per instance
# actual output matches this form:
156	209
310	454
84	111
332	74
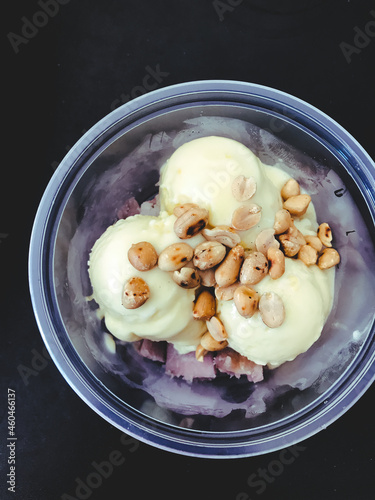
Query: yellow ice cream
307	293
202	172
167	314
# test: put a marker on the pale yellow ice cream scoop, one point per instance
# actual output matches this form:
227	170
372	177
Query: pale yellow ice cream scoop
307	294
167	314
202	171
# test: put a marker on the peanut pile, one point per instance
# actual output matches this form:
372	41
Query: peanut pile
222	269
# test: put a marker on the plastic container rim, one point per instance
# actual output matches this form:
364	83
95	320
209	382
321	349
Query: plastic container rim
37	275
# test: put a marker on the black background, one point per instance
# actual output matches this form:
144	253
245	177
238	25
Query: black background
85	58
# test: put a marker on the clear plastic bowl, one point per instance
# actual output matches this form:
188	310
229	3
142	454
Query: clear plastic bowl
120	157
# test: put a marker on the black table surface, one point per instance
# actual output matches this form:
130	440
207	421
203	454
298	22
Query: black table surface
68	64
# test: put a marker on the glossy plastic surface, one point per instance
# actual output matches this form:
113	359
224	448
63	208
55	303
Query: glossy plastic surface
120	157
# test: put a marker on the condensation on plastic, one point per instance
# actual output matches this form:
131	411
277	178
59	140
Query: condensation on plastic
120	158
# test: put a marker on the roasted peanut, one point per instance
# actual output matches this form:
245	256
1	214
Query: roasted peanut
226	292
223	234
297	205
175	256
216	329
181	209
246	216
325	234
205	306
265	240
208	254
244	188
135	293
186	277
142	256
283	220
191	222
254	268
200	353
314	242
329	258
291	241
207	277
246	301
276	261
290	188
210	344
227	272
271	309
308	255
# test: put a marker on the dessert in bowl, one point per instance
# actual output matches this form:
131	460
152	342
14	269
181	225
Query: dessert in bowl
283	393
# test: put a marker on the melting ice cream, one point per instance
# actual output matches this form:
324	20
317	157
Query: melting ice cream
203	172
